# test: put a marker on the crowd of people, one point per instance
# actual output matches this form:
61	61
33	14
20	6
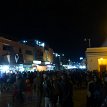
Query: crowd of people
97	89
55	88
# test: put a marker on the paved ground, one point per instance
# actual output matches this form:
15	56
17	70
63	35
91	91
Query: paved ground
79	100
6	101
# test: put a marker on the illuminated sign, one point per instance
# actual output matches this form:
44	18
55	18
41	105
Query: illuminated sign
36	62
47	63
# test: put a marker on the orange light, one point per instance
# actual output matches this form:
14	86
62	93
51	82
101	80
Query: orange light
102	61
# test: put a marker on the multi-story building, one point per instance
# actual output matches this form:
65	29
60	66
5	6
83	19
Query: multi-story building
15	50
14	54
48	55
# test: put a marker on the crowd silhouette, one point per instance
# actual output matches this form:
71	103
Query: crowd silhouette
55	88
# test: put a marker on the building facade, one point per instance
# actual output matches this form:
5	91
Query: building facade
96	59
14	54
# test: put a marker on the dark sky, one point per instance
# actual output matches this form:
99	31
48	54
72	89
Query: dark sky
62	24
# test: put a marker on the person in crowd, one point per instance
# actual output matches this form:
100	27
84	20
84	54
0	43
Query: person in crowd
29	90
20	88
47	92
55	89
104	103
67	92
15	93
95	90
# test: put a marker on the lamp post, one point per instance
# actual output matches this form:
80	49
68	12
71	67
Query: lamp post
89	42
89	45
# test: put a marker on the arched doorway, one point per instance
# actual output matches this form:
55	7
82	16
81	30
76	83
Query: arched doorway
102	65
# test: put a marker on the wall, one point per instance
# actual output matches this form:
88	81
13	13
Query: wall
48	55
92	56
38	53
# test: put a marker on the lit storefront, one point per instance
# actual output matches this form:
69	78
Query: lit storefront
39	66
20	57
11	63
42	66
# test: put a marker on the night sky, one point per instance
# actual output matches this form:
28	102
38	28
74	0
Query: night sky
61	24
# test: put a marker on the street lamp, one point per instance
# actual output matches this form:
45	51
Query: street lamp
89	42
69	61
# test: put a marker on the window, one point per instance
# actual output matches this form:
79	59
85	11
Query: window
28	52
7	48
39	55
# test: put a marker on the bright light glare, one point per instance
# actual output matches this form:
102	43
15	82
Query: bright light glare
101	58
5	68
24	41
21	69
69	60
36	62
42	44
47	63
56	54
69	67
82	67
81	58
73	67
37	42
